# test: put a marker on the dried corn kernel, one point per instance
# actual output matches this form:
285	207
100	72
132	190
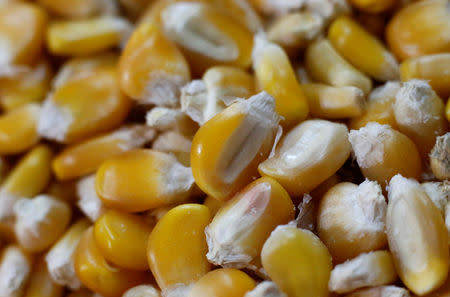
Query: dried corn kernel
222	166
142	291
277	7
143	179
169	119
381	291
89	203
79	8
297	261
177	248
176	144
239	229
328	9
15	270
373	6
439	193
309	154
265	289
417	236
440	157
242	12
41	284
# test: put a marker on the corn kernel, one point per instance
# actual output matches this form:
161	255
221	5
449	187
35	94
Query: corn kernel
169	119
351	219
265	289
151	68
242	12
41	284
419	113
15	270
275	75
440	157
177	248
355	44
297	261
381	291
143	179
328	9
97	274
89	203
326	65
223	166
79	8
329	102
213	205
439	193
176	144
309	154
85	157
417	236
223	282
276	7
382	152
18	129
142	291
207	36
373	6
59	258
239	229
86	37
122	239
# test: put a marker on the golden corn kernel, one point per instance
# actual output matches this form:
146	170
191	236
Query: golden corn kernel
222	166
296	30
440	157
122	239
379	107
85	157
306	156
41	284
207	36
380	291
329	102
431	37
417	236
419	113
79	8
222	282
170	119
265	289
27	86
328	9
40	221
83	107
18	128
89	203
151	68
297	261
59	258
373	6
326	65
15	270
382	152
143	179
177	248
176	144
239	229
351	219
213	205
242	12
275	75
97	274
371	269
87	36
355	44
142	291
17	47
276	7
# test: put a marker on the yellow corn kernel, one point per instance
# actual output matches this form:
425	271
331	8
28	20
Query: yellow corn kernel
294	31
41	284
417	236
265	289
355	44
83	107
59	258
380	291
373	6
420	114
171	120
27	179
382	152
306	156
85	157
329	10
142	291
89	203
40	221
97	274
379	107
275	75
122	239
153	12
86	37
176	144
15	270
276	7
143	179
224	282
325	64
17	47
242	12
334	102
239	229
177	248
440	157
432	68
297	261
222	166
371	269
431	37
213	205
18	129
351	219
29	85
151	68
79	8
207	36
442	291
